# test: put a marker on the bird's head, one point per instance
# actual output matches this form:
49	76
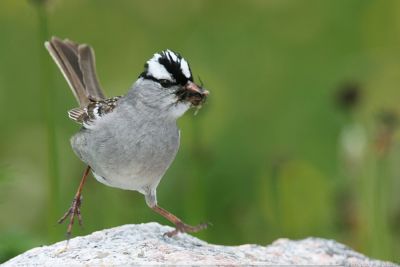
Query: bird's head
169	80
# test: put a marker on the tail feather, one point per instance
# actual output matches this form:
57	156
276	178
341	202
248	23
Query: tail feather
67	61
87	65
77	64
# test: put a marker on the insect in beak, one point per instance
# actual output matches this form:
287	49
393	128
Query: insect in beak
195	94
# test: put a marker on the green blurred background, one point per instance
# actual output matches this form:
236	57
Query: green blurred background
299	136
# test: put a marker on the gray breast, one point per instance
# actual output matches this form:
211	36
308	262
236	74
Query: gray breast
128	153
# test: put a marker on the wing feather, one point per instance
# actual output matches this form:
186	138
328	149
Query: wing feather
94	111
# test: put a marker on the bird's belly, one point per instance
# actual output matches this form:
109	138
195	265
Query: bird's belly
132	165
133	173
133	182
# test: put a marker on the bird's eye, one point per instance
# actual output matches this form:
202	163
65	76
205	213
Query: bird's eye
165	83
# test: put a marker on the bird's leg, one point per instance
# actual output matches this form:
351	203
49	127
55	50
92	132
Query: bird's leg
75	209
180	227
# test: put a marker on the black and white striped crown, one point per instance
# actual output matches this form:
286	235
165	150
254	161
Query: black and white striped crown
168	65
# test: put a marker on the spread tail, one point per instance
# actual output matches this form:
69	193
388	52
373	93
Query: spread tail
77	64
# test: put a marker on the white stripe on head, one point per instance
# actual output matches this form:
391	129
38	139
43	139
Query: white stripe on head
185	68
184	65
157	70
173	56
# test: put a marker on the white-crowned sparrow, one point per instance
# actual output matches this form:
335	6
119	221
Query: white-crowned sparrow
128	141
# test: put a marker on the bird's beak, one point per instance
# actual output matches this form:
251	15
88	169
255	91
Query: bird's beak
193	88
195	94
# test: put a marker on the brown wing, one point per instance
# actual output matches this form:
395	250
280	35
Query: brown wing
95	110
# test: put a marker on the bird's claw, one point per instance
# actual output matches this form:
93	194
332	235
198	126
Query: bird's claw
185	228
74	210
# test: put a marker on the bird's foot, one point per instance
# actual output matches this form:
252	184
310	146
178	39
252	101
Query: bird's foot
185	228
73	211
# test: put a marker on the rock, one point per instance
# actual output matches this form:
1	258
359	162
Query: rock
144	244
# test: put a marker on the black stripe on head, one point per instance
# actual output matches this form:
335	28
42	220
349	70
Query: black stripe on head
173	66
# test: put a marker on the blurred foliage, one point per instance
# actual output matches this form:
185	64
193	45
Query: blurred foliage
299	137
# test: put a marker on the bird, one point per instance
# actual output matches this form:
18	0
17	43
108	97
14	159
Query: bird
127	141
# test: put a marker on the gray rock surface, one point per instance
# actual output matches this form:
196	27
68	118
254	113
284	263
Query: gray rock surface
144	244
